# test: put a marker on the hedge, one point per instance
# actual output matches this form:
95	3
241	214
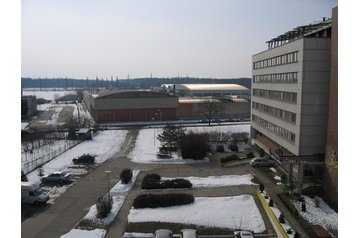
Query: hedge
305	225
162	200
152	181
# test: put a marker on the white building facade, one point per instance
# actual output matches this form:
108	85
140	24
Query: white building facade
290	94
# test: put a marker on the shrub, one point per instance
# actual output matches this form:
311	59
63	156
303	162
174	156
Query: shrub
262	187
162	200
271	202
281	218
104	206
250	155
23	177
176	183
233	147
303	206
151	181
126	176
41	172
220	148
194	146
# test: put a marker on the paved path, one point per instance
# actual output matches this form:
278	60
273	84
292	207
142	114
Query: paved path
272	189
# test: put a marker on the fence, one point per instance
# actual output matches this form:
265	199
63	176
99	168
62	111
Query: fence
31	161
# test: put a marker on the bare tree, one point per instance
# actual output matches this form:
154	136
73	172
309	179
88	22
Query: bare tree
210	108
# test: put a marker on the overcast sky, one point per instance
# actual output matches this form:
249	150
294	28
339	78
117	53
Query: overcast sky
165	38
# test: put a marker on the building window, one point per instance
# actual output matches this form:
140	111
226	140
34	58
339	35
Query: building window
278	60
279	131
288	97
275	112
290	77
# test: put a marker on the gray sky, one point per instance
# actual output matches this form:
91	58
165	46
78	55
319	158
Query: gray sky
198	38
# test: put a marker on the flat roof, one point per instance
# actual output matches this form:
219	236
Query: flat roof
208	87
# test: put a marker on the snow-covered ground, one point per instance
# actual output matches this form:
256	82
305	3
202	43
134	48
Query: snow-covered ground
48	95
42	154
104	145
237	212
219	181
222	128
77	233
147	144
322	215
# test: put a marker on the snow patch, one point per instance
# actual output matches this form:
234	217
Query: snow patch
237	212
76	233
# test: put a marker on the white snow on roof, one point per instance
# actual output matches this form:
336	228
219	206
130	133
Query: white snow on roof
229	87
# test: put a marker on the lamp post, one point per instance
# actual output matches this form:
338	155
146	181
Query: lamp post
108	172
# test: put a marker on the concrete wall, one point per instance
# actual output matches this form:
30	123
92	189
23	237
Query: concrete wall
228	110
331	161
315	95
136	103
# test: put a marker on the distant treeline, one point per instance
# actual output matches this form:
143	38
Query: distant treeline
139	83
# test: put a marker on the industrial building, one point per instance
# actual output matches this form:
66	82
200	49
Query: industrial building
124	106
290	98
232	108
201	90
113	106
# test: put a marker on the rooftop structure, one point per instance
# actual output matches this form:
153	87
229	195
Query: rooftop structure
321	29
211	89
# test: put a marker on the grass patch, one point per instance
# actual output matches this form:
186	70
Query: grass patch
151	227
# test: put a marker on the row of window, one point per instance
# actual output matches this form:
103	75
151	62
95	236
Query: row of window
279	131
276	112
276	78
278	60
288	97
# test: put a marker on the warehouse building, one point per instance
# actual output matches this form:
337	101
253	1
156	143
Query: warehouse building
125	106
232	108
201	90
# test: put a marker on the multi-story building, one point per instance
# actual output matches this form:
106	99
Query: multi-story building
290	95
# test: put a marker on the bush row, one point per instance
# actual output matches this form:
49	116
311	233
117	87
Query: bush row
305	225
153	181
162	200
